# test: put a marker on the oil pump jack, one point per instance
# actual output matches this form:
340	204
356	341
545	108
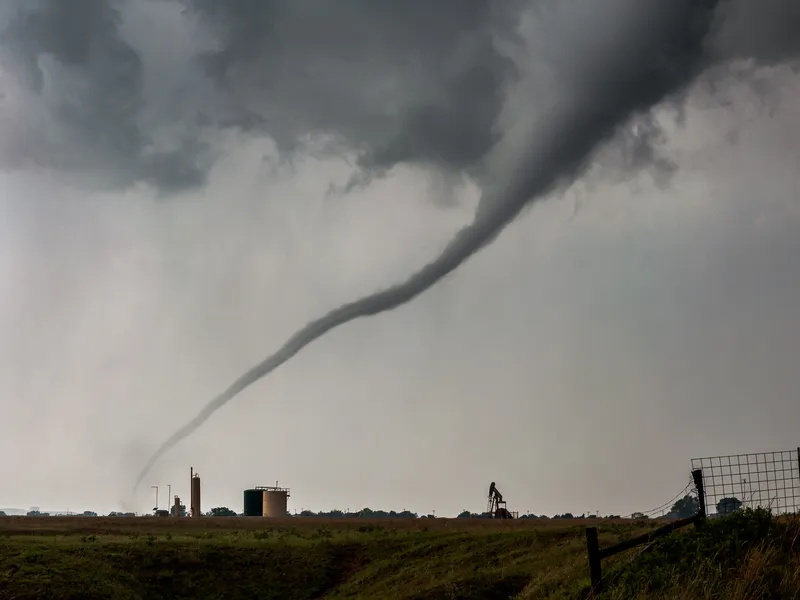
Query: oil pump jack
496	506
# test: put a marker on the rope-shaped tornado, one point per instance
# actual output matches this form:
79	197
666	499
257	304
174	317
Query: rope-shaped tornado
657	55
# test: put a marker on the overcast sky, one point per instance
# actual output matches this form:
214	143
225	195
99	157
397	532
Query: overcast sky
167	221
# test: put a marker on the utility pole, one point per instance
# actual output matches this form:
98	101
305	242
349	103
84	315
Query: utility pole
169	494
155	487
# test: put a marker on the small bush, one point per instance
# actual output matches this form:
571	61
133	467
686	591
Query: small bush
323	533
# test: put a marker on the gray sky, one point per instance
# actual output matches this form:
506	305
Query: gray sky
156	242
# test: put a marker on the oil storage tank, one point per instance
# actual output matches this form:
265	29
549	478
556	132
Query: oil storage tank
254	503
275	502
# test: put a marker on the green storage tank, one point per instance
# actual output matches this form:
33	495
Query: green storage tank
254	503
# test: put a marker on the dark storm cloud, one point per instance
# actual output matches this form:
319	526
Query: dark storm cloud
70	58
767	31
420	82
413	81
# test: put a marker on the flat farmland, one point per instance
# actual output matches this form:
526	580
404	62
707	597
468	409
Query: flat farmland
161	525
294	558
298	558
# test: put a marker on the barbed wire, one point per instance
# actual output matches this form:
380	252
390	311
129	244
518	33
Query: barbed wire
667	505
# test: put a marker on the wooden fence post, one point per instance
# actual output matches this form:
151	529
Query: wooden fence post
697	475
593	546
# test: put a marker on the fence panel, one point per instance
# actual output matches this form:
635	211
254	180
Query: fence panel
759	480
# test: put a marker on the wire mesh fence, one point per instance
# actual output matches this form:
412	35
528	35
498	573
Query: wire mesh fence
768	480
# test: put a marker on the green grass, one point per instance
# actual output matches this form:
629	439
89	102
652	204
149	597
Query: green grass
748	556
369	561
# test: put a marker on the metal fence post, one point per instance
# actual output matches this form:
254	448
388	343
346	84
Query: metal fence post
593	546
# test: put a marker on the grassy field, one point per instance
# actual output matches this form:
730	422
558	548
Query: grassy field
232	558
